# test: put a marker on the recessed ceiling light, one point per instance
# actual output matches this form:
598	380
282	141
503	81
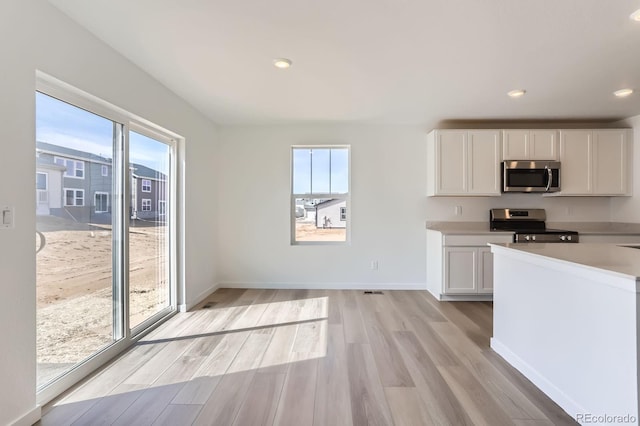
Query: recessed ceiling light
623	93
635	16
282	63
516	93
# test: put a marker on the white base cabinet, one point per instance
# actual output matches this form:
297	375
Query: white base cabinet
460	267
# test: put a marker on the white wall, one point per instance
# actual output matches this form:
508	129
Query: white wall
627	209
34	35
388	183
389	208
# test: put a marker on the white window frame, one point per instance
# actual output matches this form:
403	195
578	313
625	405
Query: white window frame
104	170
147	202
75	197
344	196
75	166
144	183
95	201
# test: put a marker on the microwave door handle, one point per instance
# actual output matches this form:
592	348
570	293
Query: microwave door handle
550	179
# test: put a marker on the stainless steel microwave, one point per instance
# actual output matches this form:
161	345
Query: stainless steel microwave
530	176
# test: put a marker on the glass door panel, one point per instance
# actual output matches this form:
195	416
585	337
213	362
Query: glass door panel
149	227
75	241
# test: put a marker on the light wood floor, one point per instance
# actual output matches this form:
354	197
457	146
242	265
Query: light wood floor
302	357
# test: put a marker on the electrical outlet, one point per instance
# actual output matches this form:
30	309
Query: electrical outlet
374	265
457	210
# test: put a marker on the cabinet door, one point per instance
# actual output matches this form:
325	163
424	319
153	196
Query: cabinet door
484	162
460	270
515	145
451	170
543	145
485	270
610	161
575	159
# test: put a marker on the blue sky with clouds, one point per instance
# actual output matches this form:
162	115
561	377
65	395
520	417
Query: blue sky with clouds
62	124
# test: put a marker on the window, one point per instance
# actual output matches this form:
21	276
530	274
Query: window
146	205
101	202
75	168
41	181
319	194
105	170
162	208
74	197
146	186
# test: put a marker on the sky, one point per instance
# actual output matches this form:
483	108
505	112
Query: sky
320	170
65	125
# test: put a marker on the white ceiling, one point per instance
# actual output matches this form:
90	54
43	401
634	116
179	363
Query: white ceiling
380	61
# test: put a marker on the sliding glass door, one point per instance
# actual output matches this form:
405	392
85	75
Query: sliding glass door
149	266
104	233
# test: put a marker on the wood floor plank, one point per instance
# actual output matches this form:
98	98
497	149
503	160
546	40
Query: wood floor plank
478	403
177	414
224	403
354	331
296	403
276	357
261	401
333	399
442	404
391	368
146	408
368	402
407	408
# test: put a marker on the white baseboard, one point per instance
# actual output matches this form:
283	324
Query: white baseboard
565	402
189	305
325	286
29	418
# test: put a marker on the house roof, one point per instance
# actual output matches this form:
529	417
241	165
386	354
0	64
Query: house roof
139	170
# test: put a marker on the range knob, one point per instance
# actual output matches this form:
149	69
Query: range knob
526	237
533	237
563	237
568	237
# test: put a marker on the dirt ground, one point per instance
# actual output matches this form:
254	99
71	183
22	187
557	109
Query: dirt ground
307	231
74	288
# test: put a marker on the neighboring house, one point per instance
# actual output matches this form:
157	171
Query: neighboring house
331	214
77	184
148	194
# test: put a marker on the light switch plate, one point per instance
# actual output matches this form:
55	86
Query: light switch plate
7	218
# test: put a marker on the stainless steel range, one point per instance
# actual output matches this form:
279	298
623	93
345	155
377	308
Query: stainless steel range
529	226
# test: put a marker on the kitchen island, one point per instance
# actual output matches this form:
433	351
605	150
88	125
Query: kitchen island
567	317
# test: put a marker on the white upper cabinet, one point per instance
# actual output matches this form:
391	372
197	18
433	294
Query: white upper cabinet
530	145
463	162
594	162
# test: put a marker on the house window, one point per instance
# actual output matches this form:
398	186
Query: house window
41	181
101	202
146	185
146	205
162	207
319	194
74	197
75	168
105	170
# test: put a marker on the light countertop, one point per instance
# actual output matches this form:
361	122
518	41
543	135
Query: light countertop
464	228
612	258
